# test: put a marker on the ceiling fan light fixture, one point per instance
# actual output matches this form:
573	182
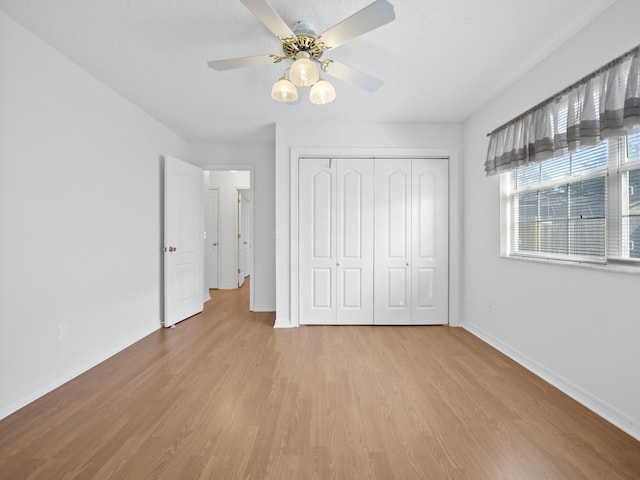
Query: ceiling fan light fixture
284	91
304	48
303	72
322	92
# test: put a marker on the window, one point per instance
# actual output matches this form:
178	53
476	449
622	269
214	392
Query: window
582	207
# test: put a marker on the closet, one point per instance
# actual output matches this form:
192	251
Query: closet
373	241
335	241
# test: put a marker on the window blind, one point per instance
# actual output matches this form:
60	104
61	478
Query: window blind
582	206
559	207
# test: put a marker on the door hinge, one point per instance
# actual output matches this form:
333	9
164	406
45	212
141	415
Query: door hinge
238	270
238	235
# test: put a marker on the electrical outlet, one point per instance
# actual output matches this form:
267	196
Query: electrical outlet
63	331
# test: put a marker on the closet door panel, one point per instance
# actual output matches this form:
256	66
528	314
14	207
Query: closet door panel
392	241
425	212
321	219
424	280
351	291
430	240
321	285
354	239
316	223
396	294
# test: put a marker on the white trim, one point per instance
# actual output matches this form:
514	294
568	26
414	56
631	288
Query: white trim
264	308
282	324
455	217
606	411
294	321
627	267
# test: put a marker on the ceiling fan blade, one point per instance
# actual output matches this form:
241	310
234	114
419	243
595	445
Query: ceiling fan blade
241	62
267	15
369	18
353	75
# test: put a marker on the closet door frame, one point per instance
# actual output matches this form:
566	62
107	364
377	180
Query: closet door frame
298	154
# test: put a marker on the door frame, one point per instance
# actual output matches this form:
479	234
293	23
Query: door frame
241	167
455	218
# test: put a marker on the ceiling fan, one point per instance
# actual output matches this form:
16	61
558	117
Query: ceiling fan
302	46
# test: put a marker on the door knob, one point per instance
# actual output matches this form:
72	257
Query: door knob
172	249
215	244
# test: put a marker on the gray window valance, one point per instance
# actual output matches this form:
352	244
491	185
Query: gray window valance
605	103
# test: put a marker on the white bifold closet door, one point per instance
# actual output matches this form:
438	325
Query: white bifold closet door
411	241
336	241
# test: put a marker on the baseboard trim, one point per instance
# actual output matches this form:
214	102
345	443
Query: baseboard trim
604	410
264	308
25	400
282	323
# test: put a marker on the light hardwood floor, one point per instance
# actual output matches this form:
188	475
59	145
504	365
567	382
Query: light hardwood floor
226	396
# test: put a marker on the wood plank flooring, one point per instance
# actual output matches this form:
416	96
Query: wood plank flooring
224	395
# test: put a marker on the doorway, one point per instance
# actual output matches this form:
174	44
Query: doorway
228	225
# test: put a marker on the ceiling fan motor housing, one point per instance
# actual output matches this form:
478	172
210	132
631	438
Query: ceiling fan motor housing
304	41
302	27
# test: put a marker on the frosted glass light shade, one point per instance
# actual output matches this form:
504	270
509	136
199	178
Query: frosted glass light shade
284	91
303	72
322	92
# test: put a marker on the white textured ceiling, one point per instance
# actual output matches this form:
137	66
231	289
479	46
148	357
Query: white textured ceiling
440	59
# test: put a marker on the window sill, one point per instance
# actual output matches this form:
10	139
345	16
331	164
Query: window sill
606	267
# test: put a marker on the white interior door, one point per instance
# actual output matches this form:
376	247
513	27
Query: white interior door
213	199
317	226
183	245
354	241
430	242
393	241
412	239
336	241
248	234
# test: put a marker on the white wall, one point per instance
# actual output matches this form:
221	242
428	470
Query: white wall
577	327
259	158
227	183
79	218
437	139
